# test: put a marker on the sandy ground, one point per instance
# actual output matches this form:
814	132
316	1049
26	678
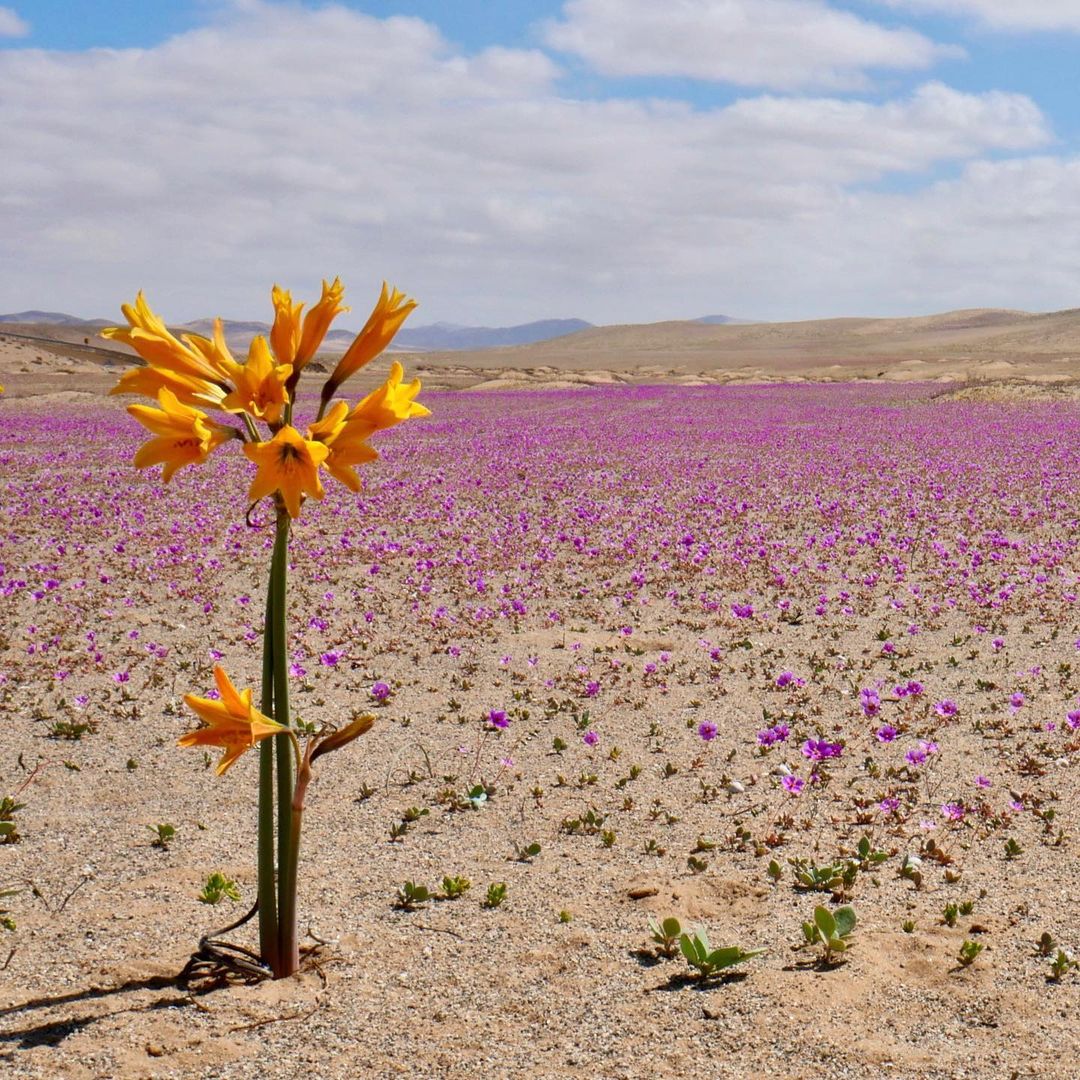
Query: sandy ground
561	979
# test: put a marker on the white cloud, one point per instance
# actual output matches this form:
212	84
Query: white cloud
1004	14
227	158
11	25
780	44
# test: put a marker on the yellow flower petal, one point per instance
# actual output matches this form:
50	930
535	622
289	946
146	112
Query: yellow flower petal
285	333
389	405
288	464
260	385
317	321
148	335
232	723
185	436
391	310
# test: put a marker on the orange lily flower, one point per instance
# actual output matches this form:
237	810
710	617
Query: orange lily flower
391	310
289	464
185	436
233	723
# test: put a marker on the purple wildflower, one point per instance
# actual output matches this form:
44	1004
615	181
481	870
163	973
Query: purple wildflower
820	749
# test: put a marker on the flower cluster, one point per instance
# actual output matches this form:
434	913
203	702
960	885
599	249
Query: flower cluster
187	374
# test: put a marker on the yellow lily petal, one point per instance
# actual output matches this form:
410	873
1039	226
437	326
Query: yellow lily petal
391	310
232	722
185	436
387	406
147	381
317	321
260	385
148	335
285	333
288	464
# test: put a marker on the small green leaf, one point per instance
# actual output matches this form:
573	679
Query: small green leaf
845	920
724	958
671	927
686	945
824	922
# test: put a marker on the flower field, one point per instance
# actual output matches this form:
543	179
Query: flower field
722	654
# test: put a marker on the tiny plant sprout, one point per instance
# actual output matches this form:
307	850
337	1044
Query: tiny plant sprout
774	871
908	926
526	852
217	888
6	921
665	935
1012	849
831	930
969	950
949	915
164	834
410	896
708	961
1046	944
911	870
868	857
453	888
9	832
1060	966
496	894
565	916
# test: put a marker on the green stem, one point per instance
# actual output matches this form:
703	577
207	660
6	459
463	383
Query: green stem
289	943
287	959
268	925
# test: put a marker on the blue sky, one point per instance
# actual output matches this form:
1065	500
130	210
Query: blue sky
617	160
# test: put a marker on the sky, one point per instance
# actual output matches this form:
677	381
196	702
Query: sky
611	160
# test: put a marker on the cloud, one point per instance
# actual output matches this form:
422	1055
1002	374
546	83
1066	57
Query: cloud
11	25
779	44
1004	14
226	158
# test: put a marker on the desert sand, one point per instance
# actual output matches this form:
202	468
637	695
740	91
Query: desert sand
676	569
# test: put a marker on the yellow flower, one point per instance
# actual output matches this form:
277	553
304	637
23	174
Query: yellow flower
191	368
317	321
233	722
260	384
288	463
345	451
384	322
389	405
185	436
346	433
285	333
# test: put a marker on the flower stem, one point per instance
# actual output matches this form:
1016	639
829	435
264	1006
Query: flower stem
287	956
268	925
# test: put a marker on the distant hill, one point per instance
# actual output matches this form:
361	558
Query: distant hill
444	337
974	344
717	320
448	337
54	318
